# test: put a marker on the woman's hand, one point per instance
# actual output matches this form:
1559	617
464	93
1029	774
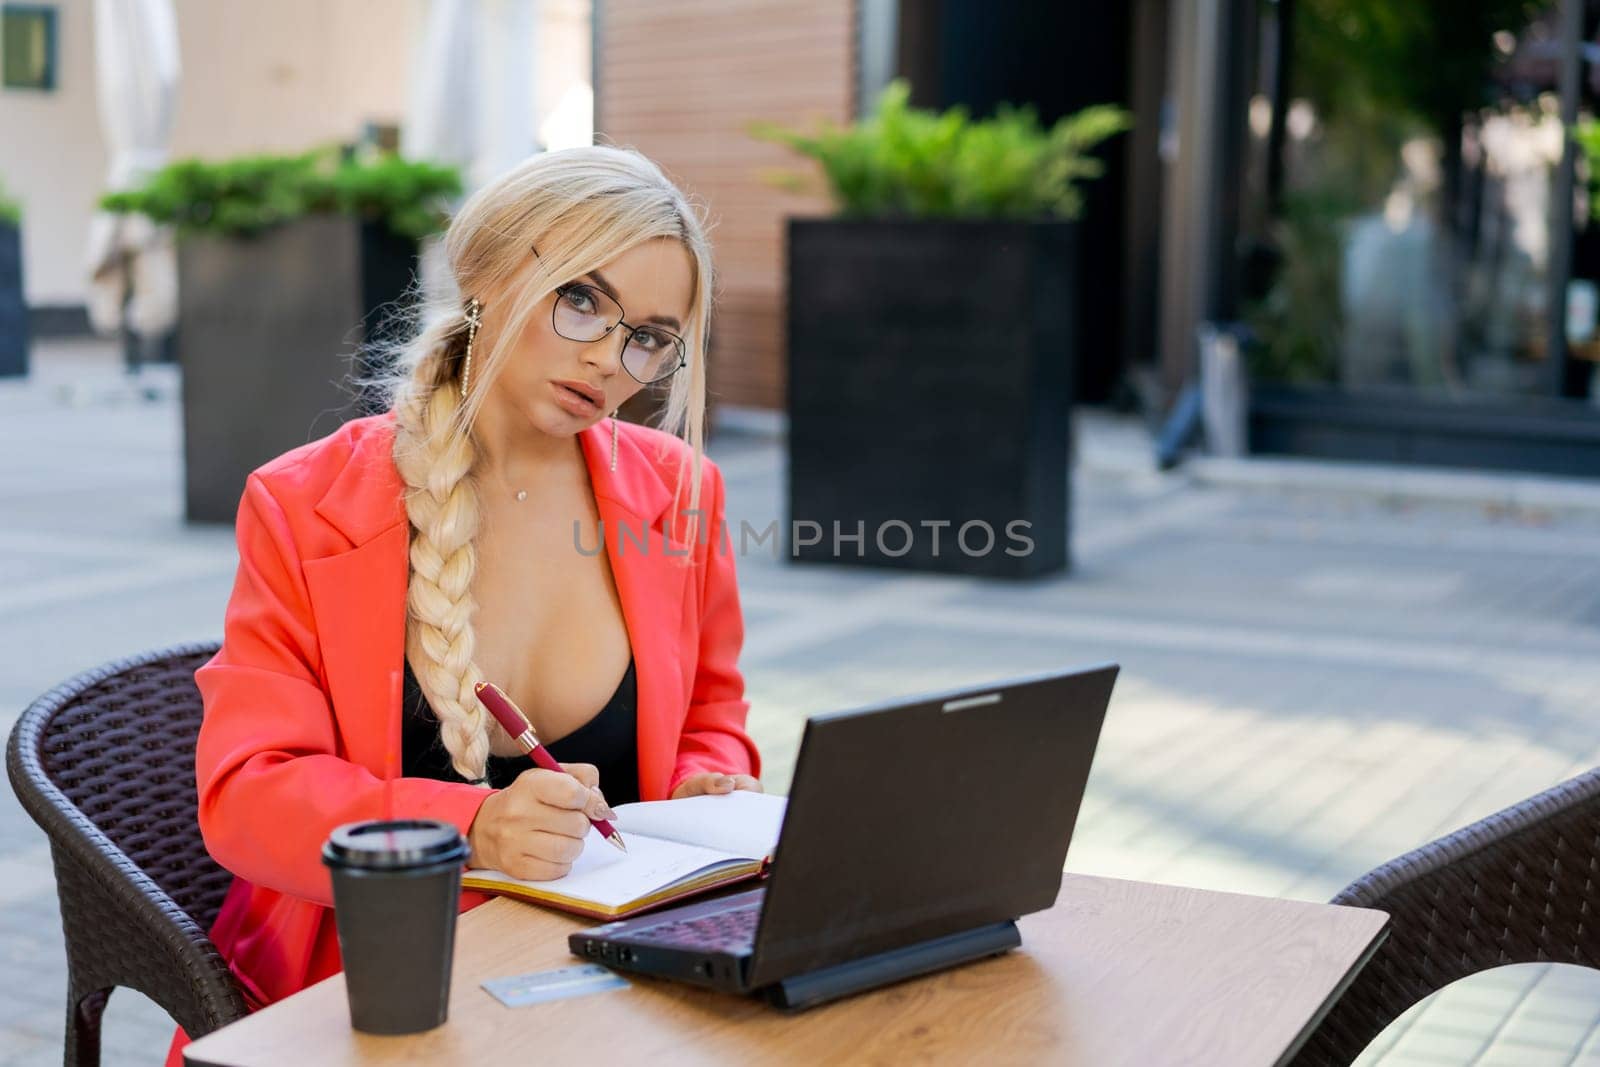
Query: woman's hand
534	828
712	782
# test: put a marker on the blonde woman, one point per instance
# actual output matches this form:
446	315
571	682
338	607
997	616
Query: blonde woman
499	523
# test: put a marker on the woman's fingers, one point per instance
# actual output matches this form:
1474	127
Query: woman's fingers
532	868
712	782
598	808
549	819
539	823
557	789
587	773
553	847
692	786
561	790
727	783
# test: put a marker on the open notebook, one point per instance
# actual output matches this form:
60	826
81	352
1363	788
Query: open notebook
676	849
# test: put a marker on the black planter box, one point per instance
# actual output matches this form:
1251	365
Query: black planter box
14	332
930	378
267	330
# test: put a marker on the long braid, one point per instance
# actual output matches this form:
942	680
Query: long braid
435	460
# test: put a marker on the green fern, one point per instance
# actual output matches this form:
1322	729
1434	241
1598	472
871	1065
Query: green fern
905	161
248	194
10	207
1586	135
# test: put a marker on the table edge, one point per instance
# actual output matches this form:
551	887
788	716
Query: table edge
1292	1050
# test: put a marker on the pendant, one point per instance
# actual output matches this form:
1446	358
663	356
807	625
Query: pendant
522	494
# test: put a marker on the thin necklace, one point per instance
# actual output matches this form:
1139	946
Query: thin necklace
522	494
516	494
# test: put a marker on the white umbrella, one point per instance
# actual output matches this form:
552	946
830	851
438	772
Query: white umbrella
506	65
444	90
472	96
471	101
136	60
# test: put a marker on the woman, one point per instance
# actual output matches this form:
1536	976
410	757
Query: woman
387	568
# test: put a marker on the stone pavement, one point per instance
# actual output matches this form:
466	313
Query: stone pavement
1312	682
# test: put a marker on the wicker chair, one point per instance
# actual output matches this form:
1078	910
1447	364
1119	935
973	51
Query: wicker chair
1521	886
105	764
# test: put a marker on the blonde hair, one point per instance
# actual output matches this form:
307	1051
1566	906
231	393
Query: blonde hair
581	207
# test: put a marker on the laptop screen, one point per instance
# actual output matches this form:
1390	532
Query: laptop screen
923	818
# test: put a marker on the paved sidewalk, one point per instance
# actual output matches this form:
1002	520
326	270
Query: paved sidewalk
1312	681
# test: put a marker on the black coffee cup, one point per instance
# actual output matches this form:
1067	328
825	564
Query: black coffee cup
396	894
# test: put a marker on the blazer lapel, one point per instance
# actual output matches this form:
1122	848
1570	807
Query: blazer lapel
358	596
359	600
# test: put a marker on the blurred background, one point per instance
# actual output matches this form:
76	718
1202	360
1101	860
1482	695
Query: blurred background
1279	320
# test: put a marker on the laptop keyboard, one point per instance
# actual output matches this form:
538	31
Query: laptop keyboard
733	930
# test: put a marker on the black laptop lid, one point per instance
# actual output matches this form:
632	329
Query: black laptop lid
912	820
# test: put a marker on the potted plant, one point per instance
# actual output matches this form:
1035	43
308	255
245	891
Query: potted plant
285	265
930	325
14	330
1583	331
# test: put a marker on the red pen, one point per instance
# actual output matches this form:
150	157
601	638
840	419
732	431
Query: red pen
517	725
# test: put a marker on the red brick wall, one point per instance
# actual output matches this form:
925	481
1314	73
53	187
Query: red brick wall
679	80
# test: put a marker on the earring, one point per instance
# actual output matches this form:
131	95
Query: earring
474	317
614	439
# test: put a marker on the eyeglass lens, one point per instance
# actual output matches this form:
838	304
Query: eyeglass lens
584	313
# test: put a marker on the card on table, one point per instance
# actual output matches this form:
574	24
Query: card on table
523	989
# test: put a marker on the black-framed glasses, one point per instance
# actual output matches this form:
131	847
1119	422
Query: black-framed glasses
586	313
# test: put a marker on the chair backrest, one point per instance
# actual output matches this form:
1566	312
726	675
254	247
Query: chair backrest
118	744
1517	886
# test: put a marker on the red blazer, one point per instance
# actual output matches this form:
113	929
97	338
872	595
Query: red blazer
302	700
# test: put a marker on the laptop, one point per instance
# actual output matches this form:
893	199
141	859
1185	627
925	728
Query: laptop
916	833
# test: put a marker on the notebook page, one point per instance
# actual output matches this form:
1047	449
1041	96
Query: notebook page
742	822
605	876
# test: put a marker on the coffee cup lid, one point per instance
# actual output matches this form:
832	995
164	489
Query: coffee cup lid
379	844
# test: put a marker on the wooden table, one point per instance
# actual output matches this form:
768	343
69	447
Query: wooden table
1117	972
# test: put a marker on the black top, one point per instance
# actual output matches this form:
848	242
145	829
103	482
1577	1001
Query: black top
610	741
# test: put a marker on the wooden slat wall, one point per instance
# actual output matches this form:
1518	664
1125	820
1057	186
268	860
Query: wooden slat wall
679	80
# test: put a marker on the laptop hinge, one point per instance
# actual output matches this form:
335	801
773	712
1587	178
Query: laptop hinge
841	980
